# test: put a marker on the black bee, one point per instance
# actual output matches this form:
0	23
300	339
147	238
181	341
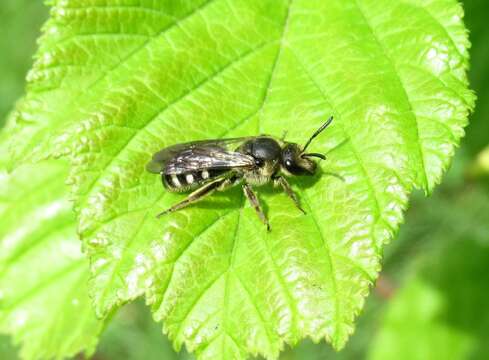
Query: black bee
209	165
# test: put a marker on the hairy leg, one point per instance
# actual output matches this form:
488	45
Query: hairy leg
199	194
251	196
280	180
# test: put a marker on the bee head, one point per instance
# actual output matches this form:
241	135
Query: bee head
296	161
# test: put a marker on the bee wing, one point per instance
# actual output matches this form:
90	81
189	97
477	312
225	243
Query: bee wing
207	158
200	155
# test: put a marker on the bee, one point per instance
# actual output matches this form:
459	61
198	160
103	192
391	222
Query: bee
203	167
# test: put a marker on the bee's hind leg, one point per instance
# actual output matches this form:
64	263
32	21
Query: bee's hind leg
199	194
251	196
280	180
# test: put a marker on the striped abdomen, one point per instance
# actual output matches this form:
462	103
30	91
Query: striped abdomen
190	180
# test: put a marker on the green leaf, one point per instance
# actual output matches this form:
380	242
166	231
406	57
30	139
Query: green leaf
44	300
116	81
411	329
439	312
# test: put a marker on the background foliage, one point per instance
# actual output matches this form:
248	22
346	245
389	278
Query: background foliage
435	275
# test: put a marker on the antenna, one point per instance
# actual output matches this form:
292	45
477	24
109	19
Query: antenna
321	156
318	131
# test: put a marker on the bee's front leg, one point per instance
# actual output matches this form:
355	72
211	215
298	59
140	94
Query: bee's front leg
280	180
251	196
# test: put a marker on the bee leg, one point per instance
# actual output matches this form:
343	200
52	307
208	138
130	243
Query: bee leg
251	196
288	190
198	194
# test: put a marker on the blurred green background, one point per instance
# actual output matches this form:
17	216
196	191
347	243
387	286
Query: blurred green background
432	298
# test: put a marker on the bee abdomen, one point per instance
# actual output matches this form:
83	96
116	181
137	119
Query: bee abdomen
180	182
188	181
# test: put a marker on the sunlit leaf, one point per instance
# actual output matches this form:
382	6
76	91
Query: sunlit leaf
116	81
44	301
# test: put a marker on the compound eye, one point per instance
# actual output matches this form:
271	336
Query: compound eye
293	167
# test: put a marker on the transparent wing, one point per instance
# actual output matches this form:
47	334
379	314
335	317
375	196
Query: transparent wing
216	154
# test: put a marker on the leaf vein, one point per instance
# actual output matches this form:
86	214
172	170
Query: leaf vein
62	272
242	57
354	152
331	264
402	88
121	7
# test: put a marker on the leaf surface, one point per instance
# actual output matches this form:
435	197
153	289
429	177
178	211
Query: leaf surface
116	81
44	301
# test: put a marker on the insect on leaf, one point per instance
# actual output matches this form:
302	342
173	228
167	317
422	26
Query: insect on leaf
115	82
